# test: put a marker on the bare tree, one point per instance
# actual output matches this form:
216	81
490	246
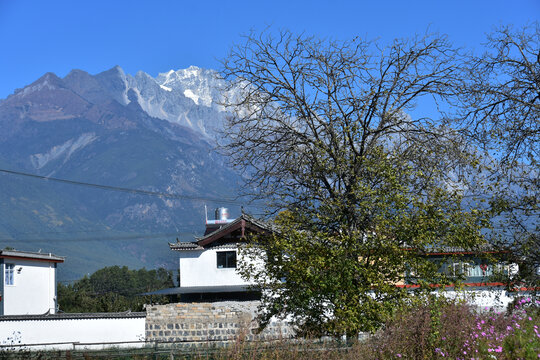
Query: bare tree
326	130
310	111
500	113
501	98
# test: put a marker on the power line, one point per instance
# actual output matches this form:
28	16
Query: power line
127	190
105	238
65	232
180	230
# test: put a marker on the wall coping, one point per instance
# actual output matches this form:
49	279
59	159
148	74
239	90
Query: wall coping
75	316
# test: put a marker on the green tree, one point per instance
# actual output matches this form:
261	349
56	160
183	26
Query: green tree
113	289
324	131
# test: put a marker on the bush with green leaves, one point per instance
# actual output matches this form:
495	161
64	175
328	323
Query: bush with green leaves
114	289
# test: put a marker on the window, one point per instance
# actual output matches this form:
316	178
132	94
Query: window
459	269
226	259
9	276
470	270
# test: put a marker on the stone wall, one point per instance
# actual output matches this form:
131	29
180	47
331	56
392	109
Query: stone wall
209	323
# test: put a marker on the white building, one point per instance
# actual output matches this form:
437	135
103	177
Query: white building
208	266
28	286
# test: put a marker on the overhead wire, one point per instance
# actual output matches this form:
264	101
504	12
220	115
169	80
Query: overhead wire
104	238
221	200
224	200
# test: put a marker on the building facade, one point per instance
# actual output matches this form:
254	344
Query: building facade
209	265
28	285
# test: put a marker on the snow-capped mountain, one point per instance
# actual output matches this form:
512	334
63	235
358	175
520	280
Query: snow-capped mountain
200	85
188	97
118	130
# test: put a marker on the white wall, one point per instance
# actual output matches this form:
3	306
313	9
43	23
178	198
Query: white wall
498	299
101	330
34	288
199	268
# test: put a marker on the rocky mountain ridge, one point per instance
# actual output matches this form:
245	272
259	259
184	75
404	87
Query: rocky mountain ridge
119	130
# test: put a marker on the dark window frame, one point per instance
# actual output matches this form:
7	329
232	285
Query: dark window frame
226	259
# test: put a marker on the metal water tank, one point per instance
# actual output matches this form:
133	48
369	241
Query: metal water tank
222	213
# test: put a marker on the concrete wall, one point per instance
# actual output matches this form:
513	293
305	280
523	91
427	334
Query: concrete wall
209	323
498	299
199	268
34	288
69	331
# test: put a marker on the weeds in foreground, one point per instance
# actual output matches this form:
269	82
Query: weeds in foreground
439	329
445	329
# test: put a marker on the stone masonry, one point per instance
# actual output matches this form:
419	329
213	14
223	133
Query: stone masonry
209	323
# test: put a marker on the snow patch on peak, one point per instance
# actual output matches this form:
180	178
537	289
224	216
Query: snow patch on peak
165	88
192	71
166	78
189	97
189	94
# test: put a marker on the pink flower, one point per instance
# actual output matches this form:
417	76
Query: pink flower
498	349
398	355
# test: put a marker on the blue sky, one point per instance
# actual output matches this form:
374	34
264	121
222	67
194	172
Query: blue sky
155	36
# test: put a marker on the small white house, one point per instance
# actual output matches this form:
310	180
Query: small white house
208	265
28	286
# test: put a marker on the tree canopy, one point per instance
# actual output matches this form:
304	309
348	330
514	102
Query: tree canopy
326	131
113	289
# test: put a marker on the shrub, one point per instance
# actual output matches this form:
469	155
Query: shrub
447	329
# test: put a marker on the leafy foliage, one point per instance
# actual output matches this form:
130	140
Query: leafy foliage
344	282
327	132
113	289
365	189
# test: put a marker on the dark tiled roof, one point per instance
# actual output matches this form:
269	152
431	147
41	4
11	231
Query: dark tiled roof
224	246
203	289
72	316
459	250
244	217
183	246
206	240
31	255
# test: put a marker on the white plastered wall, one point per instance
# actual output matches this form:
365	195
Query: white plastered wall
66	333
34	289
199	268
497	299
